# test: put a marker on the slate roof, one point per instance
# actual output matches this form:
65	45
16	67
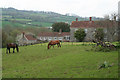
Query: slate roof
53	34
30	37
90	24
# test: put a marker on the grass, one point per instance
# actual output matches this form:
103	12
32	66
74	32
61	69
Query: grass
43	24
24	20
15	24
69	61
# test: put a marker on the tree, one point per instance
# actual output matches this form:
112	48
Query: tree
112	27
80	34
13	34
106	17
4	39
61	25
99	34
114	16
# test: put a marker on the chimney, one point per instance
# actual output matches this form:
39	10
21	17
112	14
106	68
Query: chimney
60	31
23	34
76	19
114	18
90	18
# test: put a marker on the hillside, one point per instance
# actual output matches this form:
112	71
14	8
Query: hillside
24	18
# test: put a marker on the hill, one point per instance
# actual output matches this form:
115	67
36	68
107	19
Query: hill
25	18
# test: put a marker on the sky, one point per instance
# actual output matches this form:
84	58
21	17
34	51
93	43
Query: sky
83	8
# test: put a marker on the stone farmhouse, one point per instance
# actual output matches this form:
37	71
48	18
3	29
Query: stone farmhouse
109	27
25	39
48	36
28	38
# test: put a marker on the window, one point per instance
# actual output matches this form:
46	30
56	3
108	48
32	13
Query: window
76	29
115	33
86	30
40	38
105	30
50	38
55	38
44	38
60	38
68	38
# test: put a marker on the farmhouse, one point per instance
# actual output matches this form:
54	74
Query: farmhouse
24	39
109	27
63	36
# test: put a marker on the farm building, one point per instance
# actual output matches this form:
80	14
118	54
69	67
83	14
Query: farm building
109	27
24	39
63	36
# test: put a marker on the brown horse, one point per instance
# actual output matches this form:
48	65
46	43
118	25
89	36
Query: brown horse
12	45
52	43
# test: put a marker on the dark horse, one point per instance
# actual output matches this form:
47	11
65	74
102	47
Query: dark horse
52	43
12	45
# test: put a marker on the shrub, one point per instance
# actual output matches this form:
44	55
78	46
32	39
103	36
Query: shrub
101	48
80	34
99	34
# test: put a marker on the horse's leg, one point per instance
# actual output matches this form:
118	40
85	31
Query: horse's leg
6	51
53	46
9	50
59	45
17	49
50	46
13	50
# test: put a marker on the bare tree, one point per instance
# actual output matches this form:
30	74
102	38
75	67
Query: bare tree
112	27
106	17
114	16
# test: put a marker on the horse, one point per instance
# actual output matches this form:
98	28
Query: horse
52	43
12	45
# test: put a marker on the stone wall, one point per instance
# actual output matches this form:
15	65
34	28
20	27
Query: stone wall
111	34
89	34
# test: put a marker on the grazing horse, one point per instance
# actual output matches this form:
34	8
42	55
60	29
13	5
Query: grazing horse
52	43
12	45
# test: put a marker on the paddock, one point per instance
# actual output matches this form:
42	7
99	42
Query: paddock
72	60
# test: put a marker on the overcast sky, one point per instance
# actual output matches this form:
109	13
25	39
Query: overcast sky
84	8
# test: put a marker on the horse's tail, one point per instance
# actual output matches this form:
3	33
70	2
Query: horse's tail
48	46
17	48
59	42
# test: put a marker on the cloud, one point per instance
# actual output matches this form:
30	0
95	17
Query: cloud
79	7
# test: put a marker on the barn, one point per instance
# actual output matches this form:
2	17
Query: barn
26	39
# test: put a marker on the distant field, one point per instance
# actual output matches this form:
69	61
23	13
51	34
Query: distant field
72	60
15	24
43	24
23	23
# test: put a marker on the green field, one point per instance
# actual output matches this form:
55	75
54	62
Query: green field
25	18
70	61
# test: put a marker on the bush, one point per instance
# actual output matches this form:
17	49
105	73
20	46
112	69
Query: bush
65	27
101	48
99	34
80	34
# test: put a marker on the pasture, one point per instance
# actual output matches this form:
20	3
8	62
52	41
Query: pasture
70	61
